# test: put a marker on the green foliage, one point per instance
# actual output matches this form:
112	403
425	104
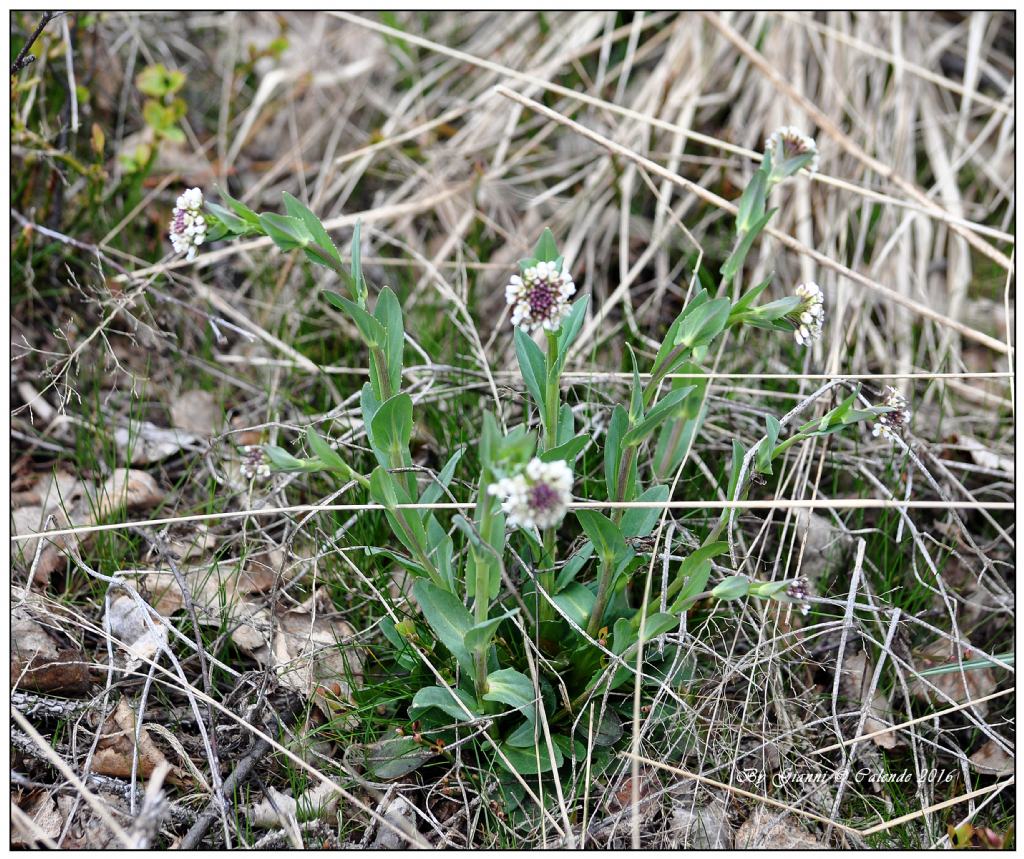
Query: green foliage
459	567
604	534
448	618
162	111
159	81
732	588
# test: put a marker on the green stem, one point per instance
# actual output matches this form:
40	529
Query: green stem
659	372
679	581
552	403
419	554
381	365
552	394
789	442
604	581
607	569
547	578
625	466
482	599
355	475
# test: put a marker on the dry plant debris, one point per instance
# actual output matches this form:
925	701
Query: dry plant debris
149	386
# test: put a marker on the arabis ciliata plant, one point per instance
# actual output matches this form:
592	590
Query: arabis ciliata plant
483	578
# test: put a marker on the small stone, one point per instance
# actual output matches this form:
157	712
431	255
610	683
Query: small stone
700	828
400	813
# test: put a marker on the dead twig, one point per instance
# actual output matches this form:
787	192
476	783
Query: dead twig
25	59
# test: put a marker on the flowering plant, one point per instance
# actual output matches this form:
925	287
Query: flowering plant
509	609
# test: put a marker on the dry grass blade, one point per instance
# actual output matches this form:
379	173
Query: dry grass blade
843	139
787	240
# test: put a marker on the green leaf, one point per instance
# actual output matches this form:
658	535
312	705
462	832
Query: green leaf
157	80
372	331
704	324
738	453
617	426
286	232
399	559
216	230
358	285
676	433
298	210
532	364
234	224
603	533
704	553
406	524
571	328
767	590
672	338
746	300
173	133
777	309
566	424
239	208
574	565
546	249
403	653
696	569
568	451
281	460
392	429
480	634
735	261
488	542
448	617
694	587
659	624
157	116
440	483
438	696
368	405
732	588
508	686
751	207
608	728
388	311
791	166
525	736
328	456
490	441
658	415
830	419
530	761
393	757
968	665
442	553
577	601
639	522
624	635
766	447
636	399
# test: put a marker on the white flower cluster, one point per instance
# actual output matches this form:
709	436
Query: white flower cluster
810	315
892	424
540	298
794	143
798	591
188	226
255	464
536	498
